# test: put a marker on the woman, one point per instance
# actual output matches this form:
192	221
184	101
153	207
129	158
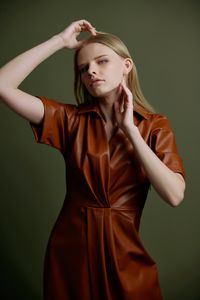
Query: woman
114	147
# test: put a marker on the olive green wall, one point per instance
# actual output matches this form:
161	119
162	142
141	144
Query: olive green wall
163	37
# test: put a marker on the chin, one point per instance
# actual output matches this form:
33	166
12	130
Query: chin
103	93
98	94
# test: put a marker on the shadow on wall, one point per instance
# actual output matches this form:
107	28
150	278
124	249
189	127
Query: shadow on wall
13	283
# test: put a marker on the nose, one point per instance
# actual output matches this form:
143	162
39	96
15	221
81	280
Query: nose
92	69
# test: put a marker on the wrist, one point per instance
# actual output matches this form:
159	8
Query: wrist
133	134
130	130
59	41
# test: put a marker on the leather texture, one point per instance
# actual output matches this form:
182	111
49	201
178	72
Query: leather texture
94	250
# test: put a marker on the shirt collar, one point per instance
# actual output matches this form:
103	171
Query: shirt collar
94	107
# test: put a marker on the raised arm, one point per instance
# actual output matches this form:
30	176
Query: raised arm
168	183
15	71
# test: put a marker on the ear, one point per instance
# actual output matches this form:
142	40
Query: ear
128	65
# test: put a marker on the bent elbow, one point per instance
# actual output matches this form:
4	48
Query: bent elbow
178	194
177	199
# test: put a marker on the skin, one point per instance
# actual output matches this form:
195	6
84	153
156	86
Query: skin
115	99
13	73
97	61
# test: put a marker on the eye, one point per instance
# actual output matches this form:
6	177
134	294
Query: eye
103	61
83	69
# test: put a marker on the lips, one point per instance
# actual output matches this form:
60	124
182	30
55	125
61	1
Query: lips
93	82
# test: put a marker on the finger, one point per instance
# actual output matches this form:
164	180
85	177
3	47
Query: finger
78	44
119	90
122	107
116	106
124	86
85	25
129	95
128	100
92	31
122	98
119	94
84	22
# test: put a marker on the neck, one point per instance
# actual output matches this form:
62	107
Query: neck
106	104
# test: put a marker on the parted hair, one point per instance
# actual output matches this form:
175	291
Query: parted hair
114	43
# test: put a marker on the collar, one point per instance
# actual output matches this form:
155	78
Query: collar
94	107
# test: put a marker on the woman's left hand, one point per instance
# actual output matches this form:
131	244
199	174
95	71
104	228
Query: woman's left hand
123	107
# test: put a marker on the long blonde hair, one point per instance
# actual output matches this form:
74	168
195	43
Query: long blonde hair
114	43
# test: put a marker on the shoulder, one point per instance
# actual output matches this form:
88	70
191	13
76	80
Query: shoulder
161	130
57	105
151	119
159	121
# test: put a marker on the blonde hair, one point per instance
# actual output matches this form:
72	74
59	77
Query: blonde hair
114	43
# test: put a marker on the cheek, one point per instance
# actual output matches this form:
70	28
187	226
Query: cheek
116	77
85	83
83	80
116	73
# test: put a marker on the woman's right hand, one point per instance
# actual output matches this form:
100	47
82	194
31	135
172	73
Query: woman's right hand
70	34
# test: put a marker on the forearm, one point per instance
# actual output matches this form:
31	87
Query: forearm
168	184
16	70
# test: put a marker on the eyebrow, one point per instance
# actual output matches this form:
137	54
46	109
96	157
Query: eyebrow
94	58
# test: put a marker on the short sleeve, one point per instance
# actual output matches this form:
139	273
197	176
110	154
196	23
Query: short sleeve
54	129
163	143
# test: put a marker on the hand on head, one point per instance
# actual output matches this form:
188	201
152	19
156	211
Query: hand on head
69	35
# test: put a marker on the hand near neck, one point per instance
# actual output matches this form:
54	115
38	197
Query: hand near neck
117	107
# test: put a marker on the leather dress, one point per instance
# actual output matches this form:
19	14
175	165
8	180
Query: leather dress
94	250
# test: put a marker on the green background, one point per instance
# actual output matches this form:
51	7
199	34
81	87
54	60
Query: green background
163	38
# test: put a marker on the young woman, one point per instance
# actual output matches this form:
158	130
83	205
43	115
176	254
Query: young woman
115	146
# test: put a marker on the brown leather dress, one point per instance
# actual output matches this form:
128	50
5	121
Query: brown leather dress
94	250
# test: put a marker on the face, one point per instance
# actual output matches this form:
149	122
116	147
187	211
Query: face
101	69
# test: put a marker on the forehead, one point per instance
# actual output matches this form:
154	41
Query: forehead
90	51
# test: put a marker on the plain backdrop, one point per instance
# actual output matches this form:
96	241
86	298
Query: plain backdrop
163	38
